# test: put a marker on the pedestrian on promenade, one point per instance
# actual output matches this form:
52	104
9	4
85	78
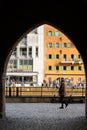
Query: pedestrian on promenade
62	93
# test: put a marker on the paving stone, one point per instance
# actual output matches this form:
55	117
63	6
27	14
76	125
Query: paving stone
44	116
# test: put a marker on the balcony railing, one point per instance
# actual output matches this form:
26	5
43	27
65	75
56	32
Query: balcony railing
72	61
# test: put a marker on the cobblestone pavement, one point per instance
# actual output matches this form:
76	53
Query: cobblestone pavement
43	116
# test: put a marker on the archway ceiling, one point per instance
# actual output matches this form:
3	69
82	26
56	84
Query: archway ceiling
19	17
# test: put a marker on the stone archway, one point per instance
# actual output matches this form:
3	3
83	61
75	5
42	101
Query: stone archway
3	70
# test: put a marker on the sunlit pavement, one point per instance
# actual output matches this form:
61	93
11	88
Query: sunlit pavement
44	116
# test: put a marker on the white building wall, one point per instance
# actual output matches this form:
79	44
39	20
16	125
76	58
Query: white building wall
37	40
34	40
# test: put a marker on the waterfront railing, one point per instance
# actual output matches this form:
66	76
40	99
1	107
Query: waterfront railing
42	92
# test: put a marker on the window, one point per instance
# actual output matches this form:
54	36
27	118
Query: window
72	67
79	56
30	62
64	68
79	79
72	57
23	52
57	33
50	56
12	64
57	67
21	62
49	33
30	52
50	44
57	45
15	63
57	56
36	52
26	62
79	67
65	45
64	57
50	67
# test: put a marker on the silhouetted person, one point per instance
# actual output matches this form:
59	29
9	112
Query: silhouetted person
62	93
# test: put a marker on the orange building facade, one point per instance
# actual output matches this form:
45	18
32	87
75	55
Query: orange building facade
61	58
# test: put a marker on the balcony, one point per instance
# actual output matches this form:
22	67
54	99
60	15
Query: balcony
78	61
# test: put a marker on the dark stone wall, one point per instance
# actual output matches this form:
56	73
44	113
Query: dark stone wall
19	17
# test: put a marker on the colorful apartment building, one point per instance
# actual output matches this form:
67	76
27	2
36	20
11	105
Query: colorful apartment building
61	58
45	54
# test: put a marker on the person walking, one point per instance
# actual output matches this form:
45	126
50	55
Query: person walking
62	93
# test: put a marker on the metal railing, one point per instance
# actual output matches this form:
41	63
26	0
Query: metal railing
42	92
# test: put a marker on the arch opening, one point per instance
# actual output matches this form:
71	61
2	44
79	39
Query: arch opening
55	55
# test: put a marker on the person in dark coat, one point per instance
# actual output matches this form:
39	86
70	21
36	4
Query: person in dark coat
62	93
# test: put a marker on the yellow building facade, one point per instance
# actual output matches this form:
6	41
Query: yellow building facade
61	58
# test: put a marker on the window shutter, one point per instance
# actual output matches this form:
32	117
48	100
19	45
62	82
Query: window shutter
53	56
53	33
47	45
54	67
47	68
61	67
62	45
54	45
75	67
47	56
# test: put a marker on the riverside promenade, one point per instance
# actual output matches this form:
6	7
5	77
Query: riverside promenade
44	116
